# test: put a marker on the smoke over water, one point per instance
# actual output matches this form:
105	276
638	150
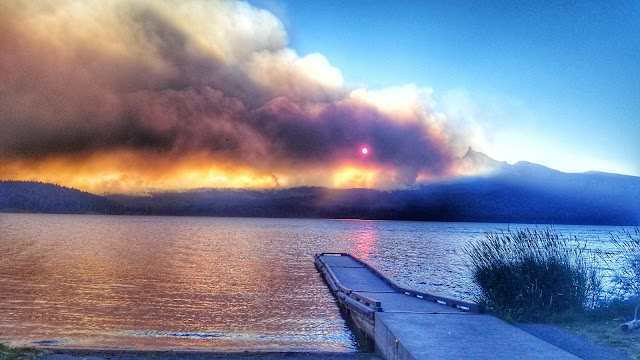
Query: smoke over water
122	96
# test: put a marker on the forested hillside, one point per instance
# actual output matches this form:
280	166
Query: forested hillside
21	196
520	193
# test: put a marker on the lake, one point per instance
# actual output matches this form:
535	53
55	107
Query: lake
224	284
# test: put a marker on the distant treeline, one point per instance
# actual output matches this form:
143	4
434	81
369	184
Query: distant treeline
36	197
522	193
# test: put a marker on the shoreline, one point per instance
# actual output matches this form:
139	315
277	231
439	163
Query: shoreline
93	354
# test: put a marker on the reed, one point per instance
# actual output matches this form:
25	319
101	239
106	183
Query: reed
627	273
532	275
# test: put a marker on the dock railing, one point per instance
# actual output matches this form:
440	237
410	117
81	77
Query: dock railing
357	301
369	305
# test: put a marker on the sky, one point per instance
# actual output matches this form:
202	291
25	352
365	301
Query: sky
140	95
553	82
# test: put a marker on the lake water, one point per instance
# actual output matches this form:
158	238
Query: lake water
224	284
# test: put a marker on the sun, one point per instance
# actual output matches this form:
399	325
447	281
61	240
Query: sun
364	151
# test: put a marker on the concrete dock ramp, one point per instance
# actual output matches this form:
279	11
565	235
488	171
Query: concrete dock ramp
448	336
408	324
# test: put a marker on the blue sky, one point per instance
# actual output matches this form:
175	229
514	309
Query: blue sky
555	82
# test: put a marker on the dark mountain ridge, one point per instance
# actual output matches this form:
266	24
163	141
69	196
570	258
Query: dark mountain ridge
519	193
36	197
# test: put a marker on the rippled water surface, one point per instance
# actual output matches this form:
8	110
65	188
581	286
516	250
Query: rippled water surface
209	283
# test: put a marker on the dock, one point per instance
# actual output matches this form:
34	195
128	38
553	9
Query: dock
408	324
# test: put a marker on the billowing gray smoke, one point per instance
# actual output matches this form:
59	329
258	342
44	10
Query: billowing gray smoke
167	82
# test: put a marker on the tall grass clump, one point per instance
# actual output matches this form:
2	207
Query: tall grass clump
627	273
9	353
531	275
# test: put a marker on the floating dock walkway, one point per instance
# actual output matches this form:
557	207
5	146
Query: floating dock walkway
408	324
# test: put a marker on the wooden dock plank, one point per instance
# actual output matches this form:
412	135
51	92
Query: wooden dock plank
361	279
341	261
394	302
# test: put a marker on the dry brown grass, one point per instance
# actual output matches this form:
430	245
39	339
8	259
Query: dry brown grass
608	332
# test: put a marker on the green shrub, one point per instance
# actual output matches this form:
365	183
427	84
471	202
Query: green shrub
531	275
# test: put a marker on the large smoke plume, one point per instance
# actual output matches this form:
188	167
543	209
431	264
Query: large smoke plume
123	95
